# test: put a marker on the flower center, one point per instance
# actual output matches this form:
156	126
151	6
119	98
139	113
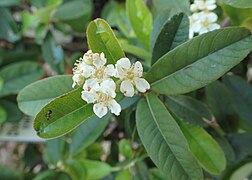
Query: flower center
205	23
100	73
103	98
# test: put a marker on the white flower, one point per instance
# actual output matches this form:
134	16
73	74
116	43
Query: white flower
102	95
131	77
204	5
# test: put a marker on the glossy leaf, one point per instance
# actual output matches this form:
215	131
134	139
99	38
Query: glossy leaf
18	75
237	3
53	54
189	109
221	102
242	94
168	35
87	133
102	39
33	97
141	21
9	29
204	148
164	141
62	115
199	61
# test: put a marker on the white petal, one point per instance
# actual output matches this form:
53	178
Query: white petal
114	107
98	61
213	27
89	97
100	109
138	69
127	88
211	17
91	85
124	63
78	79
86	70
141	84
88	57
108	86
110	70
211	7
120	72
194	8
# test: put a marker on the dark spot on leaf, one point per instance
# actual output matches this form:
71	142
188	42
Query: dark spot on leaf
48	115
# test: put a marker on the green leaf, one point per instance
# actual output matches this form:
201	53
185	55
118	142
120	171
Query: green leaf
9	29
33	97
52	174
96	169
204	148
9	2
202	60
18	75
76	169
53	54
125	148
243	172
123	175
168	35
102	39
242	94
87	133
13	113
54	151
164	141
141	21
177	6
237	3
10	174
221	102
28	21
80	14
189	109
62	115
241	144
3	115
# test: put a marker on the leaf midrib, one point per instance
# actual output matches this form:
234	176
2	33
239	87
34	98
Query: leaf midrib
153	115
188	65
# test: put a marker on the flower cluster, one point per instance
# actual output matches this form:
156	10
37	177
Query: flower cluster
203	19
98	81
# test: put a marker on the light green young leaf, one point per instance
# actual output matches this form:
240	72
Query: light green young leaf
33	97
199	61
243	172
141	21
169	34
164	141
242	94
96	169
62	115
53	54
189	109
102	39
76	169
18	75
204	148
87	133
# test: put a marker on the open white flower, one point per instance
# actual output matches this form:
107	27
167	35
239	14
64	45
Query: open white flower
102	95
204	5
131	77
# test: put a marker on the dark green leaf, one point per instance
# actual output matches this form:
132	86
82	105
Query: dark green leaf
54	150
62	115
8	30
3	115
33	97
189	109
13	113
204	148
53	54
156	174
87	133
164	141
141	20
52	174
199	61
242	94
173	32
102	39
242	145
18	75
9	174
221	102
